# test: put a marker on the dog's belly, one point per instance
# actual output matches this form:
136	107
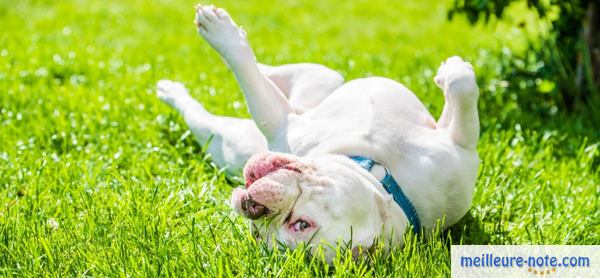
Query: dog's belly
381	119
365	116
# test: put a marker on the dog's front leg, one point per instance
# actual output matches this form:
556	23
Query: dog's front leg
267	104
460	117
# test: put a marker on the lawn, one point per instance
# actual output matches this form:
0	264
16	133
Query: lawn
100	178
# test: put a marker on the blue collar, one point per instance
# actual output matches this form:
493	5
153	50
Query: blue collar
392	187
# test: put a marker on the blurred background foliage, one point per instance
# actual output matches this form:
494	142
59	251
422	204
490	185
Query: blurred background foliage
559	72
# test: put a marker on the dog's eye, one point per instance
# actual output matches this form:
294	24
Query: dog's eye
300	226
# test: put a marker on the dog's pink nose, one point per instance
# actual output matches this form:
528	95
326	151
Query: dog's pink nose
252	209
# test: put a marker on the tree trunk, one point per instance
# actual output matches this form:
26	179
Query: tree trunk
591	32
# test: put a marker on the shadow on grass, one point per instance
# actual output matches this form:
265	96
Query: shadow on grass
468	231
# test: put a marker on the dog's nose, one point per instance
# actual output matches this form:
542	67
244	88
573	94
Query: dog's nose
253	210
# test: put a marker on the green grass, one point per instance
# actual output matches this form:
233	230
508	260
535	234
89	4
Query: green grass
99	178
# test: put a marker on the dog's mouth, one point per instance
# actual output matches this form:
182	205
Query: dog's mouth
263	165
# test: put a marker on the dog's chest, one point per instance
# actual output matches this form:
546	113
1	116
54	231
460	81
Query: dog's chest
306	135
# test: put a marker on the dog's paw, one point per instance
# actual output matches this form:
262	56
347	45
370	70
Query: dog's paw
169	91
220	31
453	69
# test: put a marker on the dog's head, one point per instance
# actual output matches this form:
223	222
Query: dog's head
327	199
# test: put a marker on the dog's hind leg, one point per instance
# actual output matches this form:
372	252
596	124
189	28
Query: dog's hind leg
459	116
232	140
304	84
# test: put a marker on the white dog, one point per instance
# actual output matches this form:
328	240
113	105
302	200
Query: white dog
328	162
